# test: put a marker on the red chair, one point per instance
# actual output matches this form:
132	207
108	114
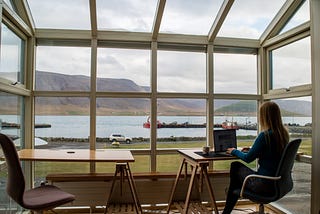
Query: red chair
44	197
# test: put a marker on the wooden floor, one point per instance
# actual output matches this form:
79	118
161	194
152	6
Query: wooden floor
240	209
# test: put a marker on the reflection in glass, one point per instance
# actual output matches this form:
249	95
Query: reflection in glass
291	64
63	68
65	121
240	76
11	117
119	123
123	70
181	71
12	56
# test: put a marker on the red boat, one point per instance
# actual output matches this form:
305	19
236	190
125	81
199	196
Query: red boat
147	124
230	125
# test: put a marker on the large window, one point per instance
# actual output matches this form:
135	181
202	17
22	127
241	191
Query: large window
181	71
12	56
235	73
123	70
62	68
291	64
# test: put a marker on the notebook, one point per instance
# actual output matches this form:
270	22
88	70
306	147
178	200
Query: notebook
222	140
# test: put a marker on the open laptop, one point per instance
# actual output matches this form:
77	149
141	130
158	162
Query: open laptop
222	140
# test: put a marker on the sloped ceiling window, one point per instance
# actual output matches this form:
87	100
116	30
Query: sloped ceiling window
244	21
61	14
189	17
301	16
126	15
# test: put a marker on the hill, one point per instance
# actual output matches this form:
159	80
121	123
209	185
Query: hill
48	81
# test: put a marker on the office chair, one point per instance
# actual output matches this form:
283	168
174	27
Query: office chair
44	197
282	179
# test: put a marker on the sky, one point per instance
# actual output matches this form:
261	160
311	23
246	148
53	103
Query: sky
234	73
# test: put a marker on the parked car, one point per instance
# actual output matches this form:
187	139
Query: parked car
120	138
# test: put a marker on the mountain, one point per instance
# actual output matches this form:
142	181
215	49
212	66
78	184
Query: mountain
47	81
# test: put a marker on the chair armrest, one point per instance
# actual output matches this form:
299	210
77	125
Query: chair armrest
256	176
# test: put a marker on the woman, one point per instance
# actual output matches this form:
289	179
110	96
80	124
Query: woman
267	147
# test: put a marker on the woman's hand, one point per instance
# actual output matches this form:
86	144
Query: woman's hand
229	150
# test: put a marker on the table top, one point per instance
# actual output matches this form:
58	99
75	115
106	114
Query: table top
190	154
76	155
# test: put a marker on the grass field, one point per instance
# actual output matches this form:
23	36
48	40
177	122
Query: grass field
165	163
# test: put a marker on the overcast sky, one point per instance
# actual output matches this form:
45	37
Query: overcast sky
233	73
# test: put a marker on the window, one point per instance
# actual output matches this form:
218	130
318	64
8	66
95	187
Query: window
62	68
239	77
291	64
12	56
181	71
297	116
123	70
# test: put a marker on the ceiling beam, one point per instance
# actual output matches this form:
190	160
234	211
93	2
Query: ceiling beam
93	18
280	20
221	16
158	18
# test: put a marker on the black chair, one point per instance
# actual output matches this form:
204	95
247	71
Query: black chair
282	180
44	197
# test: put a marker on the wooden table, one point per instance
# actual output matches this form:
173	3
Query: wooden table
122	158
196	162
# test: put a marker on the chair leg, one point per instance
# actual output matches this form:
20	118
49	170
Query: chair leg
261	209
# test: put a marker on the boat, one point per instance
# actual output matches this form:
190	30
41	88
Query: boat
147	124
230	125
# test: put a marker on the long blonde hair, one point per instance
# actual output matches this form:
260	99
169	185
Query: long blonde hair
270	118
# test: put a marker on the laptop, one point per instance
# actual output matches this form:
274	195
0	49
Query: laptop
222	140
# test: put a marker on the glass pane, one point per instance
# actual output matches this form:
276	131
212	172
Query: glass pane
65	122
120	123
123	70
189	17
164	163
300	17
11	117
12	56
181	123
240	115
297	115
63	68
181	71
126	15
291	64
12	125
254	18
61	14
240	76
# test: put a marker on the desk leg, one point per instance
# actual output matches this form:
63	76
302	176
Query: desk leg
112	186
206	177
133	189
175	185
187	202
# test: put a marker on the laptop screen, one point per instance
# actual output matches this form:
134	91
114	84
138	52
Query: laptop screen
224	139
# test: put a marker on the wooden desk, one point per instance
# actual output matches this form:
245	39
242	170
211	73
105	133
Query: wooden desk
122	158
76	155
196	162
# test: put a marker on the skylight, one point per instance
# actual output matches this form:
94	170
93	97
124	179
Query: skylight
249	19
61	14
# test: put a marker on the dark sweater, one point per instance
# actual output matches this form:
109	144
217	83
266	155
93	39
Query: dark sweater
268	159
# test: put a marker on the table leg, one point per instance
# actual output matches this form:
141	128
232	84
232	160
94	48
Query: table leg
187	201
111	189
211	194
133	189
175	185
